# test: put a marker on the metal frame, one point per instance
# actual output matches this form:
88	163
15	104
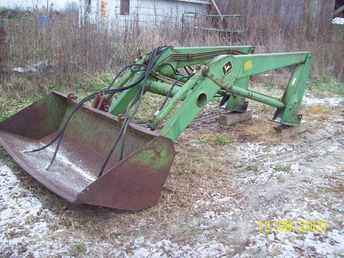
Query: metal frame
220	71
132	176
222	18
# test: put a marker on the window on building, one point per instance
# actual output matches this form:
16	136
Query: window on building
124	7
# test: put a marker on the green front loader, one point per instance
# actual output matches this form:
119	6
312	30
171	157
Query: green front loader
98	155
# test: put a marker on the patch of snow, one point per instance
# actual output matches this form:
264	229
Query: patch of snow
338	20
326	101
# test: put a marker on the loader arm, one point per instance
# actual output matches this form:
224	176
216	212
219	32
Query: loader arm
231	73
170	61
98	156
218	70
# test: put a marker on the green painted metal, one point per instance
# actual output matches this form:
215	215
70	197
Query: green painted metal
238	103
218	71
204	92
156	158
161	88
120	104
181	94
254	95
293	95
201	50
137	171
262	63
202	55
176	57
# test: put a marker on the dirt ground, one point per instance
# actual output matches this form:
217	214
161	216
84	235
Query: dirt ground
243	191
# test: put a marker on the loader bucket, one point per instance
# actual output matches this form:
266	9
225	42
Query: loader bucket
133	183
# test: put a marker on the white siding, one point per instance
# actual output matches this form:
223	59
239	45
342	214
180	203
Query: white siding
28	4
149	12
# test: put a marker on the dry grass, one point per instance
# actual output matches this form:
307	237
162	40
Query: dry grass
70	53
75	55
78	63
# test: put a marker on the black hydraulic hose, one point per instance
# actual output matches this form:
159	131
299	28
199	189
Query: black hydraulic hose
122	71
60	134
105	91
118	139
153	57
77	108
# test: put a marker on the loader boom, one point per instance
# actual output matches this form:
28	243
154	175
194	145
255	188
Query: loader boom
219	70
98	156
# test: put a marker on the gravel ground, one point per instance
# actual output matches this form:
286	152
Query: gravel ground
262	193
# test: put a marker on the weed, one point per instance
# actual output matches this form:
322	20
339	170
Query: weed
9	107
282	168
96	82
327	85
253	168
222	139
216	139
78	249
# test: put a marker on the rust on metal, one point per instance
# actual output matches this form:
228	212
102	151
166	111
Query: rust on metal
134	183
101	102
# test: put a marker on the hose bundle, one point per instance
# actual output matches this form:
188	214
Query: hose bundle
146	68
